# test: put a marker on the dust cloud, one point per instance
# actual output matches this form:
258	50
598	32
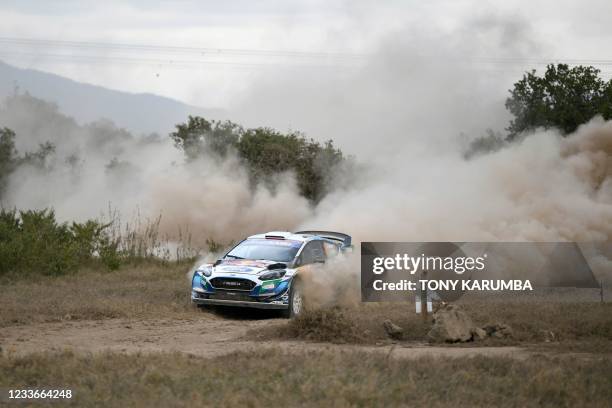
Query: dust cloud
402	114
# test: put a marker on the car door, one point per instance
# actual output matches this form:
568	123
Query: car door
312	254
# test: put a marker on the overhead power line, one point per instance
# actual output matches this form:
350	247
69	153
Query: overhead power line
191	57
268	53
147	61
177	49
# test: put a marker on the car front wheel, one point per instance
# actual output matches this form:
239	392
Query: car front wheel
296	301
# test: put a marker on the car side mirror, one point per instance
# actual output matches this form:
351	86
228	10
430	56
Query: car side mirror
298	261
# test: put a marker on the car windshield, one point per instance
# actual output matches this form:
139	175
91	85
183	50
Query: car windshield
279	250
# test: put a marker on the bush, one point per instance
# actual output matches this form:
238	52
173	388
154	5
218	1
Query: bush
264	151
33	242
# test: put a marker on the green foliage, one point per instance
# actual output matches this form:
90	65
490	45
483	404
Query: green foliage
119	167
34	242
491	142
264	151
39	158
8	157
563	98
199	135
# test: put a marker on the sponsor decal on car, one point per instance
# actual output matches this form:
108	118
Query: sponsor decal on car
245	262
269	285
236	269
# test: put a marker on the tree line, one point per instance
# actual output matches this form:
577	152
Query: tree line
562	98
265	152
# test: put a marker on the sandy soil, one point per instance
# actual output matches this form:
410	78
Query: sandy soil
208	336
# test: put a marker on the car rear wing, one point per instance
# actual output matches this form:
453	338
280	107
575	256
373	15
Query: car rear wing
335	236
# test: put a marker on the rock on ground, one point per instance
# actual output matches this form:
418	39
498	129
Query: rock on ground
499	330
451	324
393	330
479	334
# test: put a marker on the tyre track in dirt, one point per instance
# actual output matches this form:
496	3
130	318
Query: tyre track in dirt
209	336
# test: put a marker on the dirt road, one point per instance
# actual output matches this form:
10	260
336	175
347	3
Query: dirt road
208	336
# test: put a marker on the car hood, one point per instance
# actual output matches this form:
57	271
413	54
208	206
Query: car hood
247	266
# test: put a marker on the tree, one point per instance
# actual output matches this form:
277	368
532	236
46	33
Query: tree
8	157
39	158
563	98
265	152
199	135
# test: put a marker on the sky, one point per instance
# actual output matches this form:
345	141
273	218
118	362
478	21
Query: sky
212	54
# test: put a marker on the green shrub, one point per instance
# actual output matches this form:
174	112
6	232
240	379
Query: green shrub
33	242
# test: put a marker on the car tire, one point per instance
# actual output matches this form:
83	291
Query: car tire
296	301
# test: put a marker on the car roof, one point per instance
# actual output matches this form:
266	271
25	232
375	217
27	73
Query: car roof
285	235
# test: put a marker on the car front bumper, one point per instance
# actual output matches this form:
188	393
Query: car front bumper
200	297
239	303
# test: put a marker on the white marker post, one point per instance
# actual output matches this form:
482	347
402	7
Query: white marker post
423	295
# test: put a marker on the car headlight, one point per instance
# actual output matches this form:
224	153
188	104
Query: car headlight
275	274
204	271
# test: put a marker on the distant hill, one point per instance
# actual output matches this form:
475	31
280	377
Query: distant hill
139	113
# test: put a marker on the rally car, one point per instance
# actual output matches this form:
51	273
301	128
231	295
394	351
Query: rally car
263	271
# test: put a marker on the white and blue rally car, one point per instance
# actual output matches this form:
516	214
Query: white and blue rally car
264	270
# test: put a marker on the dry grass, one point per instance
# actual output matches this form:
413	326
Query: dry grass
273	378
147	290
576	323
161	290
321	378
535	321
359	324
